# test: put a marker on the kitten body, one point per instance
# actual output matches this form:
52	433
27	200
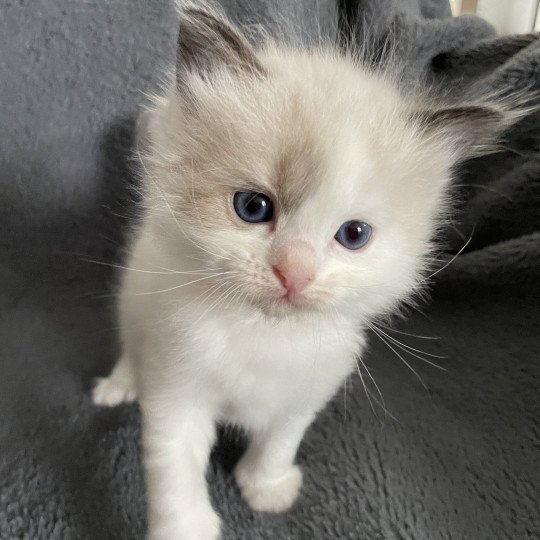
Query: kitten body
192	367
258	324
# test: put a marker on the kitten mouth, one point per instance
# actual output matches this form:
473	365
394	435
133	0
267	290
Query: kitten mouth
293	299
289	297
288	301
283	304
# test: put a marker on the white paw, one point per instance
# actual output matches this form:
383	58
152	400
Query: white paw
269	494
193	525
108	392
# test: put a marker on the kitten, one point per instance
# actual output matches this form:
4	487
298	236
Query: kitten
291	196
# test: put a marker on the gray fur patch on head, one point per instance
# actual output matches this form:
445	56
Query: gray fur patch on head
299	165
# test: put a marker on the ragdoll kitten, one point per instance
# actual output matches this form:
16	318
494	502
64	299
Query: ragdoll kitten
290	197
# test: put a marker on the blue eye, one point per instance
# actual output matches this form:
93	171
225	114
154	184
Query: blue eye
253	207
353	234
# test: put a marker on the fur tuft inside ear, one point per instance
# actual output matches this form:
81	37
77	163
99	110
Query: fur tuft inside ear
208	41
471	129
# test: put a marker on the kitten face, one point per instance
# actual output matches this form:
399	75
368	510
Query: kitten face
321	142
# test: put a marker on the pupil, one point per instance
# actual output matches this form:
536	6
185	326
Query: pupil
254	205
354	232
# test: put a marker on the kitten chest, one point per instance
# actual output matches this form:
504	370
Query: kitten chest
262	371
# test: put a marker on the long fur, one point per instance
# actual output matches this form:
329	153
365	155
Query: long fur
207	336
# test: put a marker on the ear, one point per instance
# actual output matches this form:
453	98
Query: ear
207	42
470	130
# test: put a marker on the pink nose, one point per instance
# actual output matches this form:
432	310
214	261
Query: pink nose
295	266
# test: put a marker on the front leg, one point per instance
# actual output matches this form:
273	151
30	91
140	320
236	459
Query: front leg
266	473
177	441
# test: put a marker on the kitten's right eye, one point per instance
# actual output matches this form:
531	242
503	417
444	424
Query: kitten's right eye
253	207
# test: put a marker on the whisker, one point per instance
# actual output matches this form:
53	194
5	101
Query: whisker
373	381
237	293
206	294
230	296
400	357
454	257
405	333
371	396
215	303
404	349
164	272
409	347
243	299
368	394
182	285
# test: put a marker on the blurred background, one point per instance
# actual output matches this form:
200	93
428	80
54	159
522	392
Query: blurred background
507	16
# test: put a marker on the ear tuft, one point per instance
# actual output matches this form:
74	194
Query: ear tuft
208	41
471	129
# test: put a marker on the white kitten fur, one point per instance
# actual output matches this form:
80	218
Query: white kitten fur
207	335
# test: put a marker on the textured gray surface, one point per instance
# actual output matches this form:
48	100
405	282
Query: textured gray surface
461	459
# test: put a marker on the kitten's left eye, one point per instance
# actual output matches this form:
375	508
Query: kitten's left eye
253	207
353	234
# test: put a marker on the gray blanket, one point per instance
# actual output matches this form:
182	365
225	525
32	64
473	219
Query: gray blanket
454	459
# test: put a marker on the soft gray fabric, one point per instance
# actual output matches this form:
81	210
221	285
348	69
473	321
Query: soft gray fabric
459	461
